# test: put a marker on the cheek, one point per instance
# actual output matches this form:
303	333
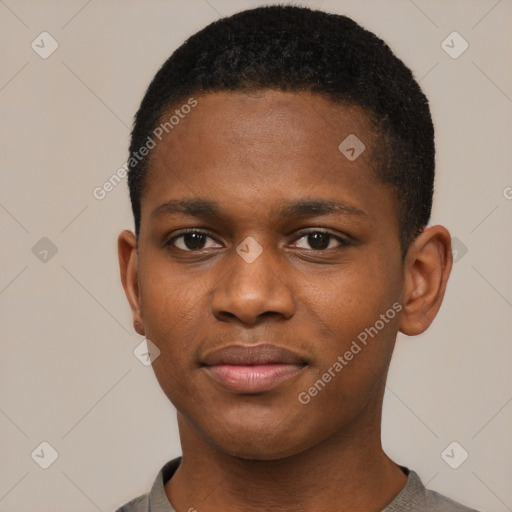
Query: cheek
173	309
351	364
349	300
357	320
173	313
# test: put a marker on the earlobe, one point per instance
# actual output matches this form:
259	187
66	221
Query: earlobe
427	268
127	253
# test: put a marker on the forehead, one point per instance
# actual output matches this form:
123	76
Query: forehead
258	116
256	148
266	126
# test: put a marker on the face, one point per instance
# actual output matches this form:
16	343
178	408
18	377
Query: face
265	255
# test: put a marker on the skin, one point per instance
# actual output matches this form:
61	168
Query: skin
251	153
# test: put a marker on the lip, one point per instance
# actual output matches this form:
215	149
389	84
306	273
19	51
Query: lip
252	355
252	369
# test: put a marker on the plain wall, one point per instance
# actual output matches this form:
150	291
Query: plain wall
68	373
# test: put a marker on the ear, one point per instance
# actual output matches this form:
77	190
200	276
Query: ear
127	252
427	266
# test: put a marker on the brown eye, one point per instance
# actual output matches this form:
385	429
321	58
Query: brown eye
191	241
321	240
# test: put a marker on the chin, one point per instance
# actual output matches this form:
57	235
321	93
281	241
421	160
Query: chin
249	451
261	443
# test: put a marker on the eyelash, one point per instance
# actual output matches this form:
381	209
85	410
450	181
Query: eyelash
342	241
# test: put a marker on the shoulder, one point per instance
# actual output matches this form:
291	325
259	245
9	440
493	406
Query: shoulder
155	500
415	497
139	504
437	502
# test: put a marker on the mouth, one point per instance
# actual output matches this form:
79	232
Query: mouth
252	369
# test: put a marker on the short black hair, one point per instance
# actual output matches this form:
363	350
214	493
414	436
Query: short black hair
299	49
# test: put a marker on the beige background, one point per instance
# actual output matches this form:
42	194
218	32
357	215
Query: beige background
68	373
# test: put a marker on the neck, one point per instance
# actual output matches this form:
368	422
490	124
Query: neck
347	471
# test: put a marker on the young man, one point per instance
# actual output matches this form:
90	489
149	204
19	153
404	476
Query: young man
281	179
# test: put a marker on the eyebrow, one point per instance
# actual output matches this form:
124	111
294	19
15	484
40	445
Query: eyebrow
207	208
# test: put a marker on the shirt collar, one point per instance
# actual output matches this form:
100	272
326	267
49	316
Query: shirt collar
410	497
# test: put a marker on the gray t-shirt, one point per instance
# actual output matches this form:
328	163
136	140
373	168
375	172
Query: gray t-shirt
414	497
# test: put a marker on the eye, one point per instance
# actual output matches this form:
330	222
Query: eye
191	240
321	240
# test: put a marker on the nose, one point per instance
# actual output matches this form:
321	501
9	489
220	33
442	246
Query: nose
252	290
